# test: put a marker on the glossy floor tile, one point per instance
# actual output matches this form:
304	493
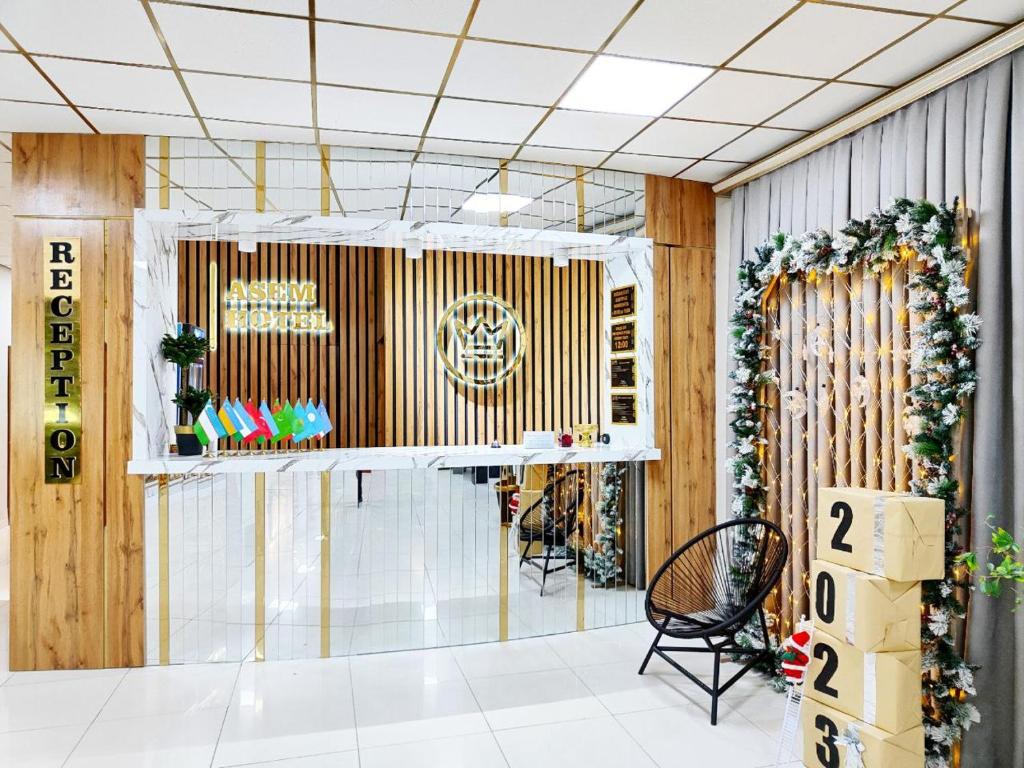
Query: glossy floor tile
570	699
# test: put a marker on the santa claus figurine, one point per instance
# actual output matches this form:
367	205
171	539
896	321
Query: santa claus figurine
796	651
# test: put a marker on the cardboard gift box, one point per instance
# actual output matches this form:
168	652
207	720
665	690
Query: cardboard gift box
869	612
893	535
822	725
882	689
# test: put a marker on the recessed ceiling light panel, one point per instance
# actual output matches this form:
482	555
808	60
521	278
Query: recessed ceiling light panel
492	202
633	86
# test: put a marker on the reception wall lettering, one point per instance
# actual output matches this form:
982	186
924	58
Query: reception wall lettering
62	401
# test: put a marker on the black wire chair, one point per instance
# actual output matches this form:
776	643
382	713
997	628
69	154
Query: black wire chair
710	590
554	530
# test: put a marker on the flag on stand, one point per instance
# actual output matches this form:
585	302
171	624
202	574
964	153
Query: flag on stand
228	419
284	419
323	420
299	422
262	432
248	425
268	419
208	427
310	424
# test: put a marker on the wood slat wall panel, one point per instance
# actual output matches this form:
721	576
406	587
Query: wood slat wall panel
340	367
556	386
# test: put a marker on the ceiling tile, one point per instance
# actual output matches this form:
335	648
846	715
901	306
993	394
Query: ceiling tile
433	16
824	40
513	73
20	80
756	144
1006	11
562	156
922	51
378	58
824	106
587	130
118	87
742	97
19	116
470	148
228	129
294	7
362	139
583	24
918	6
85	29
695	31
241	43
680	138
258	101
350	109
710	171
660	166
117	121
457	119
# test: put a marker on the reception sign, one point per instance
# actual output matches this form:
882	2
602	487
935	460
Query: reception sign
62	345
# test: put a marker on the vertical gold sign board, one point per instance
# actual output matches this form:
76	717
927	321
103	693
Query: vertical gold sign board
62	367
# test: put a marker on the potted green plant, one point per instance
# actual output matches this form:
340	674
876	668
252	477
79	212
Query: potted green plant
185	350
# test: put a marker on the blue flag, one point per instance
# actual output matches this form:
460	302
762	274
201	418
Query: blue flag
323	420
268	417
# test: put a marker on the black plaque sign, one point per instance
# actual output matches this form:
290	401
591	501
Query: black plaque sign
624	373
624	409
624	301
624	336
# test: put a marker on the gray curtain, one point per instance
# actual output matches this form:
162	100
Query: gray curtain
964	141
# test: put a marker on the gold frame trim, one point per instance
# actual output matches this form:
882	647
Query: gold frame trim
325	565
214	305
163	504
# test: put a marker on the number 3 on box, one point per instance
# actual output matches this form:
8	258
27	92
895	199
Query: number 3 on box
828	753
842	511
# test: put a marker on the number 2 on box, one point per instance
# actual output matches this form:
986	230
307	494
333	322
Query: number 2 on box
842	511
828	753
830	663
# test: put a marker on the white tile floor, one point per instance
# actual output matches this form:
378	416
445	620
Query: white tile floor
572	699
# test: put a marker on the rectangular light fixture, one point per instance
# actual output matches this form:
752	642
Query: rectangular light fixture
493	202
633	86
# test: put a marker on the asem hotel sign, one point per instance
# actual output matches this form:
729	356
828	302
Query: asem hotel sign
62	365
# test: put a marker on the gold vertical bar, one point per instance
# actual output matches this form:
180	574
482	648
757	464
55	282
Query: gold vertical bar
581	580
503	582
325	181
325	564
165	172
163	507
503	187
261	176
581	207
214	299
260	524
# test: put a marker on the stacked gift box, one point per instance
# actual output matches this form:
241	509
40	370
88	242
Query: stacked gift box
863	689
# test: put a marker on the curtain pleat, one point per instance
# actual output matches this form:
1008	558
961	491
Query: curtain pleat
964	141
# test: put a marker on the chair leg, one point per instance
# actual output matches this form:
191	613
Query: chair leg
522	558
714	689
544	578
650	652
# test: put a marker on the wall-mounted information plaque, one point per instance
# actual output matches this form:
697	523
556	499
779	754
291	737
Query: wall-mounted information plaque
624	336
624	301
624	408
624	373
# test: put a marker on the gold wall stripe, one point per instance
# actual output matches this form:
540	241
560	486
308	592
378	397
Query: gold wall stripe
325	564
165	172
503	188
261	176
214	293
503	582
163	501
581	206
325	180
260	523
581	592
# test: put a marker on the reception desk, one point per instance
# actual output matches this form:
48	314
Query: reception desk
267	555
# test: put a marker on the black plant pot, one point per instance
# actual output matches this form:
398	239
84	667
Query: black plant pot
188	443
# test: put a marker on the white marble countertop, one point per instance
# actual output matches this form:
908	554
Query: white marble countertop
419	457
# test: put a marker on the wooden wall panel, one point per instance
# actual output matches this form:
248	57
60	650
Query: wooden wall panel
681	487
76	562
558	383
341	367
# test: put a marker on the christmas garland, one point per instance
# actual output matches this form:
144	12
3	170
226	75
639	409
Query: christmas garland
944	374
602	564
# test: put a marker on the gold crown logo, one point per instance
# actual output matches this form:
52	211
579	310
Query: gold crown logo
481	341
